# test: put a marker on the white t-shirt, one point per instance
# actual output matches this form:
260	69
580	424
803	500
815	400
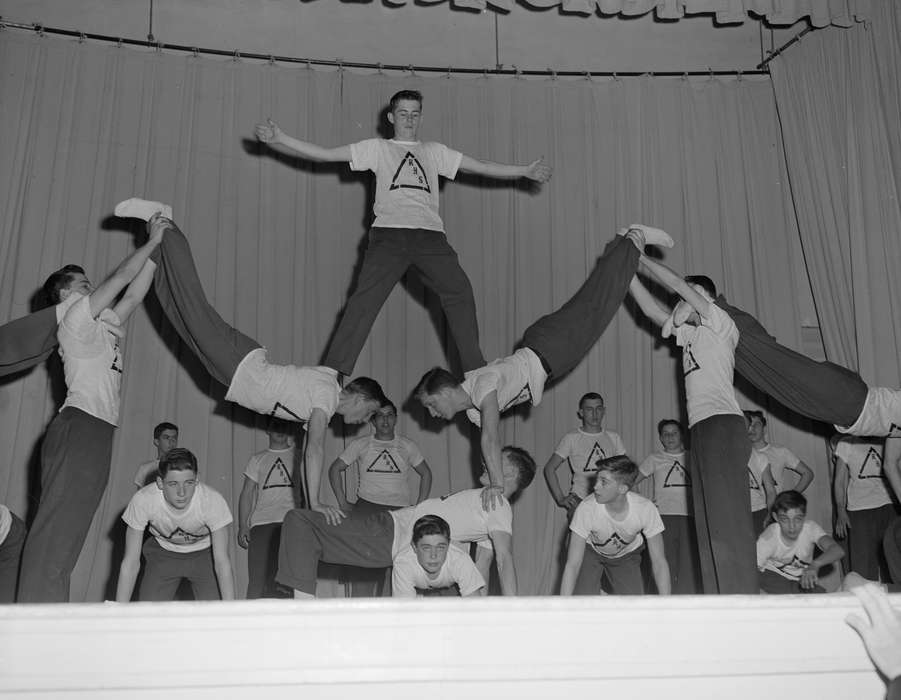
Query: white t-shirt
6	521
458	568
708	363
181	531
463	511
91	360
615	538
672	482
788	559
582	451
382	466
779	458
272	471
880	417
406	179
756	466
283	391
516	378
144	473
867	488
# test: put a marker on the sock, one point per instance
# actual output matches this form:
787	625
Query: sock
137	208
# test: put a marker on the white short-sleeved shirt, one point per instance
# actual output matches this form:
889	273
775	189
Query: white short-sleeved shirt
91	360
615	538
582	451
273	472
406	179
517	378
672	482
144	472
788	559
880	417
779	458
708	363
383	466
181	531
458	568
463	511
756	465
867	488
6	521
283	391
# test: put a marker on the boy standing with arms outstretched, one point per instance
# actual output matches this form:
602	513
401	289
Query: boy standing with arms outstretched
408	230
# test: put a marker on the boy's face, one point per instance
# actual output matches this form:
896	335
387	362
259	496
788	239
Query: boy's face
405	118
431	551
384	421
78	284
790	522
671	438
439	405
607	488
356	408
756	430
167	440
591	413
178	487
511	475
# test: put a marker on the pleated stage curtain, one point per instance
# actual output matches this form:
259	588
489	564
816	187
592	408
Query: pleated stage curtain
277	242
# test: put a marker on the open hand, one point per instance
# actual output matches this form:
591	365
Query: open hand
333	515
539	171
268	132
492	497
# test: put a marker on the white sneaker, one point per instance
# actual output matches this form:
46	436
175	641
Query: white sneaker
655	236
136	208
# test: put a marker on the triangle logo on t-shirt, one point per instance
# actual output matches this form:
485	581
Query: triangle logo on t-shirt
615	541
278	476
179	536
677	477
410	175
279	410
872	465
795	563
591	462
524	395
894	431
752	481
689	363
384	464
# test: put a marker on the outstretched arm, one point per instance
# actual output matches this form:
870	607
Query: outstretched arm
840	492
313	457
222	563
537	170
503	551
659	565
490	442
673	281
336	479
131	564
269	132
135	292
647	303
574	556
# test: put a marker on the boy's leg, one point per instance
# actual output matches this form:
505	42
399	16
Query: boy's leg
27	341
865	540
384	263
588	582
681	552
441	271
163	571
10	556
307	539
564	337
367	583
718	461
75	464
625	574
758	519
891	548
262	560
819	390
201	573
773	583
218	346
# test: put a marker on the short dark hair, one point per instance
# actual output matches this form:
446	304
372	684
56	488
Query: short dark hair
704	282
58	281
430	525
670	421
524	464
388	403
368	388
434	381
623	469
404	95
280	426
590	396
788	500
176	460
162	427
755	414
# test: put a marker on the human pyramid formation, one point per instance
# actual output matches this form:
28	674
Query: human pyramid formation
610	525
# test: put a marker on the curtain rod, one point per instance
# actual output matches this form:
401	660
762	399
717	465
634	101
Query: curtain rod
763	65
236	54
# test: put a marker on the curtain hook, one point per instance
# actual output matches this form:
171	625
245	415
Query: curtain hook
271	60
379	69
39	28
237	56
553	73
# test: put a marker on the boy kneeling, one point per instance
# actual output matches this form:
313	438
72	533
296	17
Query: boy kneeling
608	532
186	519
432	566
785	549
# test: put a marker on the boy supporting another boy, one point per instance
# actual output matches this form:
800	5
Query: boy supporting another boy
785	549
165	438
187	519
608	533
432	566
582	449
268	493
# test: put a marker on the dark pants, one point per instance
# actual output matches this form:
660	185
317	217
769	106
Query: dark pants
391	251
891	548
822	391
218	346
563	338
718	462
771	582
75	464
164	570
758	519
10	556
680	545
307	539
866	535
369	583
262	562
27	341
623	573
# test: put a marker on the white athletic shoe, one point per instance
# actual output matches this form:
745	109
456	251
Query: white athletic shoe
655	236
137	208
